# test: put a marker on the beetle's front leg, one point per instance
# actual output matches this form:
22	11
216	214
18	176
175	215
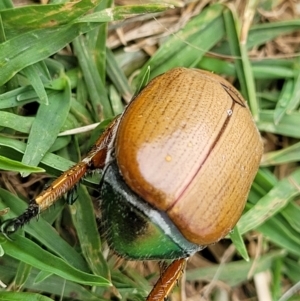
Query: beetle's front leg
95	159
48	197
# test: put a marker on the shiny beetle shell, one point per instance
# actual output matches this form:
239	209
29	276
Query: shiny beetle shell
187	144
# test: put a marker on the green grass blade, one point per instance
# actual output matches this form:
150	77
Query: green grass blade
22	274
271	203
123	12
53	285
117	76
5	4
46	126
21	296
288	126
234	273
187	47
294	102
96	89
280	233
42	42
284	98
36	82
238	242
37	257
232	28
54	164
88	234
37	229
262	33
242	63
291	213
12	165
30	17
283	156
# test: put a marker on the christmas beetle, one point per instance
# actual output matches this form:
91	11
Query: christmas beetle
177	168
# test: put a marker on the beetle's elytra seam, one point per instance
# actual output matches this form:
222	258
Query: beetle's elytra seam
226	122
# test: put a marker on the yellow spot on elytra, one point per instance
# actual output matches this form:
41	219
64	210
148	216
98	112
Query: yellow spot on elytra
168	158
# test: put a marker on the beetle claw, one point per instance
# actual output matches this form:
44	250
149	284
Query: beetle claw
10	226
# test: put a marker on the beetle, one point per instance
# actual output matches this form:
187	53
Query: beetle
177	167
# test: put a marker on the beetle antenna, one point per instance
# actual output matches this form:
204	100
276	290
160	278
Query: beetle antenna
103	173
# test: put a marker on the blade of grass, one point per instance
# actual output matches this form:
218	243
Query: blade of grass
36	82
26	18
288	126
292	269
262	33
238	242
5	4
54	164
232	29
116	100
187	47
13	83
271	203
117	76
122	12
295	98
239	49
265	69
234	273
46	126
81	112
284	98
37	229
269	70
283	156
53	284
12	165
16	53
97	42
23	95
282	234
22	274
88	235
217	66
250	9
291	213
26	251
21	296
276	278
95	86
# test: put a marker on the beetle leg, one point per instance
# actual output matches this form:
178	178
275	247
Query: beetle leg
167	280
95	159
12	225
